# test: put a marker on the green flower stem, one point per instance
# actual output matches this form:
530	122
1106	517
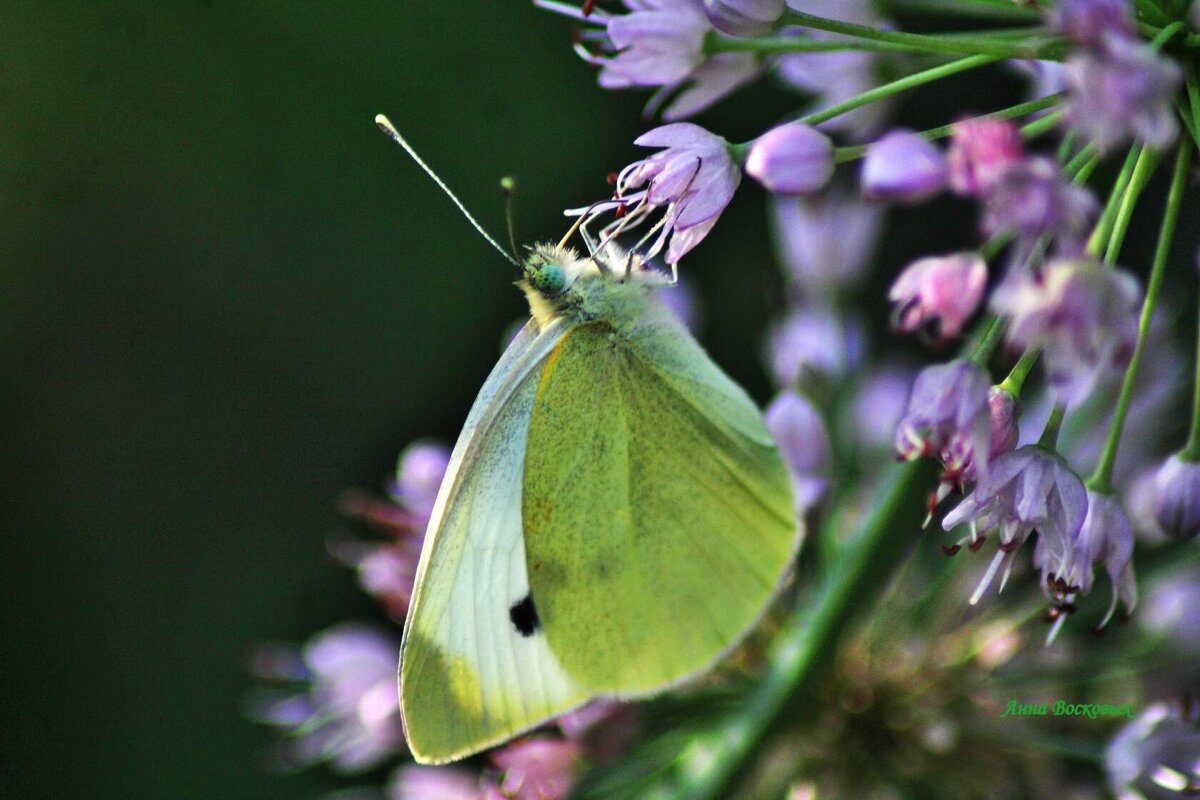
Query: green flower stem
1049	437
1050	50
809	639
1103	230
1003	9
1101	479
717	43
981	353
855	152
1151	11
1042	125
1020	371
903	84
1192	76
1146	164
1191	450
1165	35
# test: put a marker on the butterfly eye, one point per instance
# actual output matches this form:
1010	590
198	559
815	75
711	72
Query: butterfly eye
548	279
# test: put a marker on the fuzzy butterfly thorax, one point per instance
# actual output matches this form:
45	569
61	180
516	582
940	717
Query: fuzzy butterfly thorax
611	285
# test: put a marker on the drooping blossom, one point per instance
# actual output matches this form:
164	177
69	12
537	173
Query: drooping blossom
1106	536
800	432
826	241
903	166
1032	197
938	294
879	404
419	473
1091	22
537	768
349	713
1177	498
416	782
1083	314
743	18
832	77
1120	91
659	43
813	343
791	159
1169	609
690	181
1031	488
948	411
1154	757
980	150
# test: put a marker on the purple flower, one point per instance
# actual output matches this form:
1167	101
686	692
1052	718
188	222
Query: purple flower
813	343
826	241
980	149
691	180
1154	757
1170	609
743	18
537	769
938	293
947	412
903	166
879	404
415	782
1123	90
1028	489
606	729
683	301
660	43
1031	197
1106	536
791	159
419	474
1177	490
350	714
800	433
1090	22
1082	313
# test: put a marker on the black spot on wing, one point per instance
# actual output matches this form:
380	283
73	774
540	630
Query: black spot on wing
524	616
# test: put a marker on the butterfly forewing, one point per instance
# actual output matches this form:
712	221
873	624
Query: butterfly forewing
658	514
470	677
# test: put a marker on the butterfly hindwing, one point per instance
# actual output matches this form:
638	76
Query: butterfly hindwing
658	512
476	667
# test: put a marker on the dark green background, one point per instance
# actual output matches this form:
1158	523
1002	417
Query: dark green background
225	297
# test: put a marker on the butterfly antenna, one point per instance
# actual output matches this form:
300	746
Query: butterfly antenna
386	126
508	185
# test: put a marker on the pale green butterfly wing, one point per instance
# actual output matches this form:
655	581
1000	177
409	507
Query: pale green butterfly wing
468	678
659	519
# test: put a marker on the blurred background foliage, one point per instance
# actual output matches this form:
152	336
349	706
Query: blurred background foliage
225	297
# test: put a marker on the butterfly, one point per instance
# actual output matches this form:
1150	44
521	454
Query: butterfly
614	519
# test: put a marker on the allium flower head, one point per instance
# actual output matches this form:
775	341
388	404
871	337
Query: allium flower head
690	180
1155	757
743	17
980	149
791	159
1082	313
826	240
905	167
1124	90
1028	489
537	769
1091	22
938	294
660	43
1177	498
800	432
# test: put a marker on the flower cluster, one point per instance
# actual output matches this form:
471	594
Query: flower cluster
1050	406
